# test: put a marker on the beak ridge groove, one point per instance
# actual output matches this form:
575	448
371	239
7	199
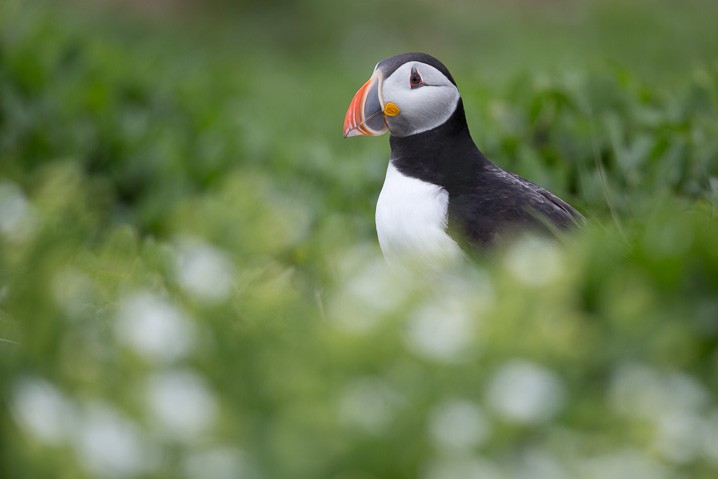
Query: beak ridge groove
364	116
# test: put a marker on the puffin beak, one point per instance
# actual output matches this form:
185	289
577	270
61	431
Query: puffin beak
365	115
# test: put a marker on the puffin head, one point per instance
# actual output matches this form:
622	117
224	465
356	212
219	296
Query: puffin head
407	94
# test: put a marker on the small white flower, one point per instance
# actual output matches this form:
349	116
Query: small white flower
525	392
458	425
42	410
17	217
154	328
204	271
442	330
109	444
180	404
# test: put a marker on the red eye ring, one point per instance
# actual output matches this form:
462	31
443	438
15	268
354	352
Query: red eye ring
415	79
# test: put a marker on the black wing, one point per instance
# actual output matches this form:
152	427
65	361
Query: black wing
500	204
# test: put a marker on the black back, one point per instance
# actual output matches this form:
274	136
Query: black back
486	203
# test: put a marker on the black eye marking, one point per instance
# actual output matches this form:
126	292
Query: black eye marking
415	80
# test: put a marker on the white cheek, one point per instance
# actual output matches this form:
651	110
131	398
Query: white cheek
421	108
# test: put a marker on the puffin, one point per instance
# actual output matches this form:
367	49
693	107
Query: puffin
442	197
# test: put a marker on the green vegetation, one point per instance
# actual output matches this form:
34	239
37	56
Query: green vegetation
190	285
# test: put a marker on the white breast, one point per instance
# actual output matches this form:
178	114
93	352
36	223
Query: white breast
411	220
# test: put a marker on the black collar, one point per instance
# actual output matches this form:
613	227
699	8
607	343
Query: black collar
445	155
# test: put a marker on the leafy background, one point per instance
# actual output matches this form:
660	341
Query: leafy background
190	284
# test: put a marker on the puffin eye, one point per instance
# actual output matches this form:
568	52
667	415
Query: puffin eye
415	80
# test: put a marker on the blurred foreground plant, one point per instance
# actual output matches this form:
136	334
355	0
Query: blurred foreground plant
184	295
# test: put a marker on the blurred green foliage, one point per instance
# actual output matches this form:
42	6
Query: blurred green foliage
189	280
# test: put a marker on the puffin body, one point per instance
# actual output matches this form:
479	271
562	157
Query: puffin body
440	190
